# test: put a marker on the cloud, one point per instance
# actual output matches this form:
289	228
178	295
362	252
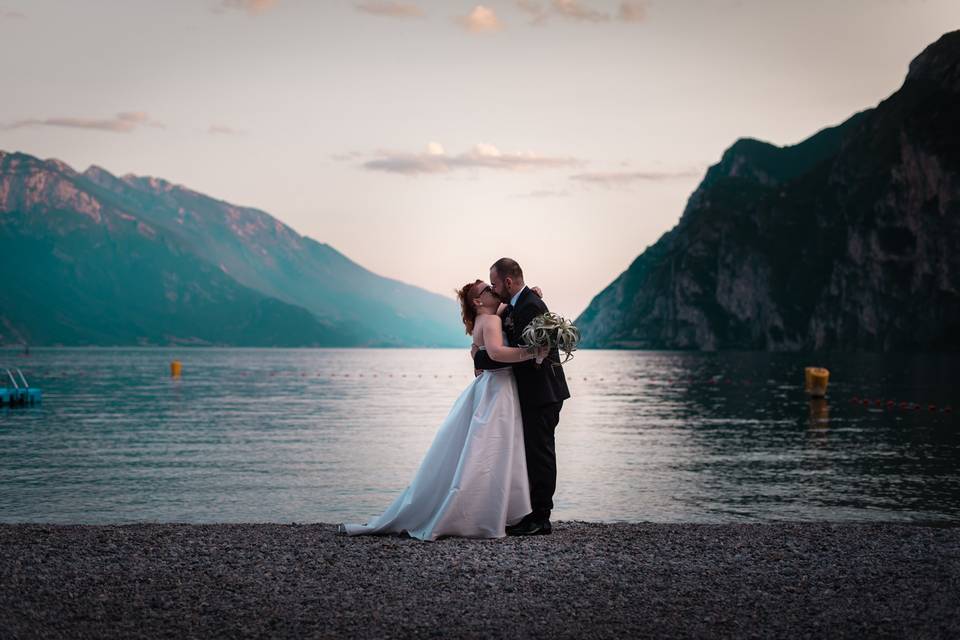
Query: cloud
575	10
544	193
123	122
253	7
480	20
615	179
483	156
391	9
409	163
219	129
347	156
533	8
633	11
11	15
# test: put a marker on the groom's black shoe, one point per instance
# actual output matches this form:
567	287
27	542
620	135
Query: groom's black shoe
530	527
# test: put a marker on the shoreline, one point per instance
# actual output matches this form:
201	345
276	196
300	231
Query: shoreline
586	580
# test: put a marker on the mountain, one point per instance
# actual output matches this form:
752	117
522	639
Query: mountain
95	259
849	240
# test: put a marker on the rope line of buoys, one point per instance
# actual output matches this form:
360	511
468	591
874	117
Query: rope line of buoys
179	371
609	379
902	405
814	377
814	384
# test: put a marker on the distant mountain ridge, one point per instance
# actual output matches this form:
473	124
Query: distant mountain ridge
848	240
107	260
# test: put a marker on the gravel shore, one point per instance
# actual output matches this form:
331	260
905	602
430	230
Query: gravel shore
585	580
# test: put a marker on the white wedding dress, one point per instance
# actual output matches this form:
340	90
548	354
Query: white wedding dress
472	481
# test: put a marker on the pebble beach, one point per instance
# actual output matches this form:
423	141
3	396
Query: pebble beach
585	580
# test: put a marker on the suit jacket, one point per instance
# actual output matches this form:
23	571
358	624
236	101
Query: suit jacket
537	385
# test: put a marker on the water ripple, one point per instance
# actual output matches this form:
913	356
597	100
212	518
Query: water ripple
256	435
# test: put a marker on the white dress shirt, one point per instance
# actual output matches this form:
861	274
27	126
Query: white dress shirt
513	300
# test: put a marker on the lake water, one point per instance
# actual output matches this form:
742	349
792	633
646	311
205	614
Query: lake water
330	435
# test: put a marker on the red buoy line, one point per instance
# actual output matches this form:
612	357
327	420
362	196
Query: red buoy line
903	405
713	381
883	403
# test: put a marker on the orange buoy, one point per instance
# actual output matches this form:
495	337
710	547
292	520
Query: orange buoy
175	369
815	380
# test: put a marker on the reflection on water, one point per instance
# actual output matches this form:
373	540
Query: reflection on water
249	435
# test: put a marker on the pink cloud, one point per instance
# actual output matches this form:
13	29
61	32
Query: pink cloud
577	10
483	156
391	9
545	193
533	8
480	20
574	10
253	7
633	11
625	178
123	122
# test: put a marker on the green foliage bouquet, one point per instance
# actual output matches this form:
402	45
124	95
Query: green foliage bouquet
552	330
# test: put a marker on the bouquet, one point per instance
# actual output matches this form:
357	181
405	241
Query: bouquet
552	330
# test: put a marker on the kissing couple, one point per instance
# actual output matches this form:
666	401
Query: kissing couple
491	470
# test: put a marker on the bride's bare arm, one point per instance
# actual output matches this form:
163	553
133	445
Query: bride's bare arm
493	341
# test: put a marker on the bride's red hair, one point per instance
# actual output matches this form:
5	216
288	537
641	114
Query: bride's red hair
467	310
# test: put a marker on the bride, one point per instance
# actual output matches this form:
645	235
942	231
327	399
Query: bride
472	481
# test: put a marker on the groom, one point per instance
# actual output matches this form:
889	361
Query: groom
542	390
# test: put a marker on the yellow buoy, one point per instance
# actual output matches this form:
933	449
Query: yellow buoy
175	368
815	381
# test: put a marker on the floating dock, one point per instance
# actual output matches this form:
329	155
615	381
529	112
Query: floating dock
18	393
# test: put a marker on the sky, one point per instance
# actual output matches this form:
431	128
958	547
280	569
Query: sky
426	139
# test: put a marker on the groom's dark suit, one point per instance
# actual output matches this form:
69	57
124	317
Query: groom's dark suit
542	390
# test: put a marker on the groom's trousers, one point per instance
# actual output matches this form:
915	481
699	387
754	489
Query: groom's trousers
539	425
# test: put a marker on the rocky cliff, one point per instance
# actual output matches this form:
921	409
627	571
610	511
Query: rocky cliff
849	240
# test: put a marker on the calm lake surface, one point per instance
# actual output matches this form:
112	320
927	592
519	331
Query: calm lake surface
331	435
